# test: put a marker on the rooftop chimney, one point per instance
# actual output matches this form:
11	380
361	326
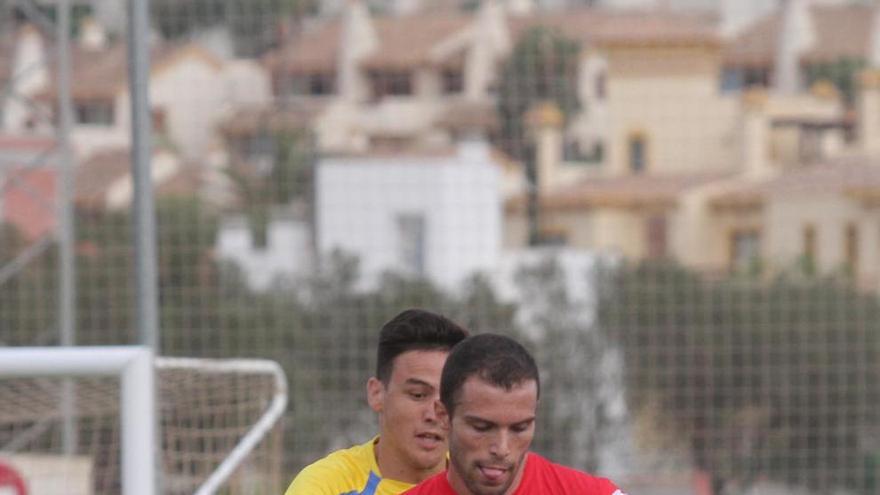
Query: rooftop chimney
797	35
29	75
491	40
92	36
359	39
869	91
545	121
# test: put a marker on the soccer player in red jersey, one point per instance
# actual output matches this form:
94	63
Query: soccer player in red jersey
489	391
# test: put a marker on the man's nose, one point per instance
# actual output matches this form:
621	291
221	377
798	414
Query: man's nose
429	413
500	446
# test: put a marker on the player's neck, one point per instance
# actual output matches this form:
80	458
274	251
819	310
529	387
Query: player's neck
393	466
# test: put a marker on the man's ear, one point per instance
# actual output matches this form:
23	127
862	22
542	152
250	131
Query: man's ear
442	414
375	394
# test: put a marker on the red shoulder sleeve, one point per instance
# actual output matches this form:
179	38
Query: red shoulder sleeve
435	485
609	488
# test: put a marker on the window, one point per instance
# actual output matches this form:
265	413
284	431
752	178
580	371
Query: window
313	84
257	149
573	151
851	248
94	113
160	120
745	250
391	83
656	229
759	77
320	84
731	80
637	153
411	242
809	249
453	81
601	86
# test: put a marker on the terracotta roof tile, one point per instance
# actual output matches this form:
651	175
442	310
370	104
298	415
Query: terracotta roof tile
856	176
312	50
622	192
247	120
407	42
468	115
599	27
841	31
97	174
101	74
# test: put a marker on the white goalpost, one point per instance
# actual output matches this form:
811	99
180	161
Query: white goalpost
219	421
134	367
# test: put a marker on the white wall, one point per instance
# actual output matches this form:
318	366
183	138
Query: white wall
359	200
285	257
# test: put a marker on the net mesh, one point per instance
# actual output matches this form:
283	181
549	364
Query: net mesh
675	210
203	416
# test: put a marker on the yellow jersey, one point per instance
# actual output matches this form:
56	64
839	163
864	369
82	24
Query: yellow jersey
351	471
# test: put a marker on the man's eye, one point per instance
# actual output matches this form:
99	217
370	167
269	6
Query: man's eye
482	427
418	395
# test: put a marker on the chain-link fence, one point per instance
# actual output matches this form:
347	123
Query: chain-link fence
674	204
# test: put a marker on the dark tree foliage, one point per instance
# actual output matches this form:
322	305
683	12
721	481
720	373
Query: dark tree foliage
761	380
542	68
842	73
289	181
246	20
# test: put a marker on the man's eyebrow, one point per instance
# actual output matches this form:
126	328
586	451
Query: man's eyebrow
527	420
416	381
476	419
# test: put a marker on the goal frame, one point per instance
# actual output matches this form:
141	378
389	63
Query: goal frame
134	366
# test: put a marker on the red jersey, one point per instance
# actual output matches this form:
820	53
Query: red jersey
540	476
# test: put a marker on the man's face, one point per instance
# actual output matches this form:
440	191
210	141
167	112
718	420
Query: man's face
490	432
412	442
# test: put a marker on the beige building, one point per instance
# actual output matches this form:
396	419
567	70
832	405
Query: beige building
190	90
682	164
794	184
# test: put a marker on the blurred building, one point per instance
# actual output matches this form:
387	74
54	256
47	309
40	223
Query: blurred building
284	258
190	88
778	178
437	217
27	192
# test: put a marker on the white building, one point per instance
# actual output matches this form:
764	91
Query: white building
191	88
286	256
432	216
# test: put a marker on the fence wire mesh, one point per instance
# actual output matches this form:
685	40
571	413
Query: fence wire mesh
675	204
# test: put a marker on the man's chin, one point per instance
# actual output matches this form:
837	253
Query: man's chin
430	462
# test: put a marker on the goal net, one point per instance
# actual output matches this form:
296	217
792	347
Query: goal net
218	422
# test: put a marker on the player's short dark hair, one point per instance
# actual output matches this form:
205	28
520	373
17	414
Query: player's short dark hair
497	359
414	330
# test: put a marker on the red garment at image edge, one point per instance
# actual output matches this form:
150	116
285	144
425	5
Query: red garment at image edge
539	477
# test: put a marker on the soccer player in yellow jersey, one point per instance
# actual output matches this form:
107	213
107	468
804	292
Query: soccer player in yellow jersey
411	445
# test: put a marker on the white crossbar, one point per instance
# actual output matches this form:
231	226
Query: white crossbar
134	366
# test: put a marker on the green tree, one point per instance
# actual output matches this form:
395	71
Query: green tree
255	25
570	351
289	181
760	380
842	73
542	68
